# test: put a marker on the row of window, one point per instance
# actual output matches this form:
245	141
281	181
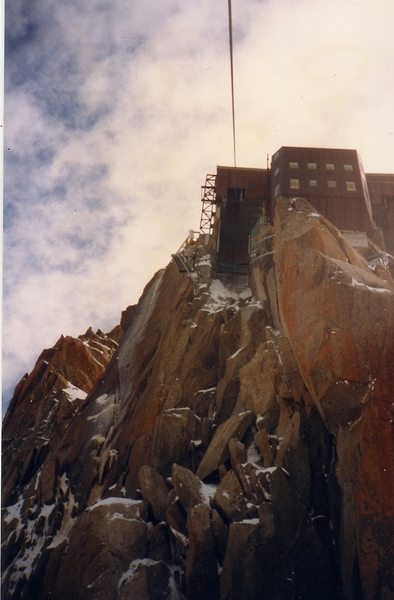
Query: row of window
313	166
295	185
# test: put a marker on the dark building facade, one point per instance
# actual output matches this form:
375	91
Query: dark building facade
240	197
331	180
381	193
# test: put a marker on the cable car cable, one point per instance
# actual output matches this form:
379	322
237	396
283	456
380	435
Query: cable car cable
230	27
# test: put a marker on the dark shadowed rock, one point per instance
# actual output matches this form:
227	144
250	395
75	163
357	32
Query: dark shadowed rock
202	580
187	486
287	523
159	543
230	498
102	544
292	454
147	579
155	490
220	535
176	518
245	566
175	428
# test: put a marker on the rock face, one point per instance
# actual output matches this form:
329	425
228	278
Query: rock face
237	444
345	355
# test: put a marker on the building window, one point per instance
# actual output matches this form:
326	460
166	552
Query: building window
277	191
294	184
293	165
348	167
350	186
312	166
330	167
276	172
331	184
313	182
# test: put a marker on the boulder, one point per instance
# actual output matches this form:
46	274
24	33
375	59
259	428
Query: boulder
155	490
217	452
175	428
176	519
267	520
102	544
245	574
228	387
220	535
238	459
159	543
187	486
230	498
259	381
292	454
147	579
273	372
202	580
288	523
262	441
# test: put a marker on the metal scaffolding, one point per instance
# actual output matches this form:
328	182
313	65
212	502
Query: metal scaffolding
208	209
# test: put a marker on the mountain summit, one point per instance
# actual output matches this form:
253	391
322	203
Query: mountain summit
231	439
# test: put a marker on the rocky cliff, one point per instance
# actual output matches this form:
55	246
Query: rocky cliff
238	443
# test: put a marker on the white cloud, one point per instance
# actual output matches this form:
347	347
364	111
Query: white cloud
115	112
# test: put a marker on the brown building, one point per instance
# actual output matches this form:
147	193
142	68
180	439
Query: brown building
241	195
332	180
381	193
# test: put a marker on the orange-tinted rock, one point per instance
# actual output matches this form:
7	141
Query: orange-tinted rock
339	318
375	498
338	315
44	404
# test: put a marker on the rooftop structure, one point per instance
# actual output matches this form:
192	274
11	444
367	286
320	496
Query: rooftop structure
238	206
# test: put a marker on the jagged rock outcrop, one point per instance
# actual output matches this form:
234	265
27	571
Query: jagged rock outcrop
238	444
44	404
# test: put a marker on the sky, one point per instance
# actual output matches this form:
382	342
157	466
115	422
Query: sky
115	112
